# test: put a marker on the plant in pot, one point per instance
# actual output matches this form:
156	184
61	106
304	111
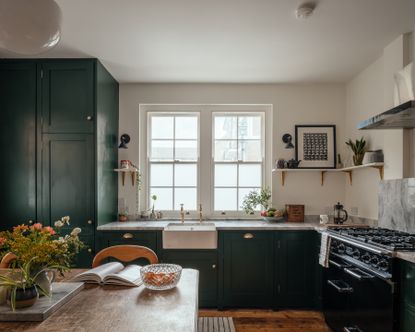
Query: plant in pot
123	216
255	199
359	149
22	288
47	249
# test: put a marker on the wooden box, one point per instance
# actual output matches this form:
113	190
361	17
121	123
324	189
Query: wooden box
295	213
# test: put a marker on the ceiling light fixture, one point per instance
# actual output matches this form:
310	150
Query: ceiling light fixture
29	27
305	10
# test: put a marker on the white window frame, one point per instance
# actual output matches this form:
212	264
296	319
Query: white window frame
205	160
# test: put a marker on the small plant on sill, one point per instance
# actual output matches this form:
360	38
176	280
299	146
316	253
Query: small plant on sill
255	199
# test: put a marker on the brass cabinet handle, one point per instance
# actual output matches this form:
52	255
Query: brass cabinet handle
248	236
128	236
89	222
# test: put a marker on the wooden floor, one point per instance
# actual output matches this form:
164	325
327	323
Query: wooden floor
272	321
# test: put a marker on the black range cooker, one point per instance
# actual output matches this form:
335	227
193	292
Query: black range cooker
360	285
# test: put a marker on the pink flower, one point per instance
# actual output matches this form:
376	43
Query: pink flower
49	230
37	226
2	241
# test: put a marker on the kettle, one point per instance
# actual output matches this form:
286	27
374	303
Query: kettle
340	214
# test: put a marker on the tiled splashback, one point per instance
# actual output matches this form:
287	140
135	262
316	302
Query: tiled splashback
397	204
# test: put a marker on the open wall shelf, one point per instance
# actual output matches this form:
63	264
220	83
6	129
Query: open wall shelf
133	172
348	170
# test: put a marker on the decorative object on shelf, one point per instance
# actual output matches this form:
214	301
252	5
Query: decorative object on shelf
281	163
292	163
339	161
375	156
28	27
340	214
256	199
125	164
124	140
295	212
123	216
161	276
287	139
315	145
358	149
43	246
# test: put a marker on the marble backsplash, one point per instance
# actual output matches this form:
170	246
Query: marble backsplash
397	204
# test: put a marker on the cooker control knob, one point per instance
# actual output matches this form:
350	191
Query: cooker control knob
341	248
366	258
374	261
383	265
356	253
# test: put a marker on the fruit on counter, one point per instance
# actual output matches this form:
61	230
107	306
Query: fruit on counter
273	212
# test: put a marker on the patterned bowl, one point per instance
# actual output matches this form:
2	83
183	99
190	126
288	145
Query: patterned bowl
161	276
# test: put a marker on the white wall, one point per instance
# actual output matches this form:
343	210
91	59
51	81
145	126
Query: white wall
292	104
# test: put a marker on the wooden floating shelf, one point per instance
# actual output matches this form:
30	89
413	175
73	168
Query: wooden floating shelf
132	170
322	171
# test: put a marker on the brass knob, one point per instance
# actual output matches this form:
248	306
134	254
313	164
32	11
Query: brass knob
89	222
89	118
128	236
89	250
214	266
248	236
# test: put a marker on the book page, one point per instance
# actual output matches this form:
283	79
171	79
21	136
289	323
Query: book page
129	276
98	274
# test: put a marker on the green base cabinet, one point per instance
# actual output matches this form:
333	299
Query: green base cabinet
407	297
246	269
295	269
206	262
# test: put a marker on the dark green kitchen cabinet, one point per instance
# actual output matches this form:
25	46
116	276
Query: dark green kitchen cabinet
67	96
18	143
296	284
205	261
59	143
246	261
407	297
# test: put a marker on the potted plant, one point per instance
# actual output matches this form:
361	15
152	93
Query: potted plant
123	216
46	249
358	148
21	286
256	199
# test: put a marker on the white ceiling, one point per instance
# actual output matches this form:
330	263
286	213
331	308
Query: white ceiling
230	40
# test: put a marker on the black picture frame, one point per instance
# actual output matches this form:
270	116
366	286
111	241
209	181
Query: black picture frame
331	146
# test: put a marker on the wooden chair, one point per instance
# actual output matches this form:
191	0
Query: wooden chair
125	253
7	260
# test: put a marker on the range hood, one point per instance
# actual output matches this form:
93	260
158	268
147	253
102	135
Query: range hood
399	117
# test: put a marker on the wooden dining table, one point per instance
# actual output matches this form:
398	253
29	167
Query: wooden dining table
124	309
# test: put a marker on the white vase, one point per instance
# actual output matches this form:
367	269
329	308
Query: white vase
44	280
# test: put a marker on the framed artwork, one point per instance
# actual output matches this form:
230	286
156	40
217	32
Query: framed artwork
315	146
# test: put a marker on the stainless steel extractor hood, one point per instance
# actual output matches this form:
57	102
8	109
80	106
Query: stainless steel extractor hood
399	117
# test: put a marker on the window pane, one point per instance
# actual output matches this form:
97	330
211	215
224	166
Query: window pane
242	193
186	127
250	151
225	175
185	175
162	127
185	196
225	199
164	198
186	150
225	127
249	127
161	175
226	151
250	175
161	150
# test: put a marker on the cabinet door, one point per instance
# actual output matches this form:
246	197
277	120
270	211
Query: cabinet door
295	269
67	96
206	263
68	183
247	269
407	297
17	143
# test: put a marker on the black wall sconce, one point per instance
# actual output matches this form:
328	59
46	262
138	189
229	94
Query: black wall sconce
124	139
287	139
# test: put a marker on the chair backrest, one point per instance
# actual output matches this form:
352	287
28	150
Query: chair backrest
125	253
7	260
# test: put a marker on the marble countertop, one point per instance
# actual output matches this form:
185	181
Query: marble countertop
220	225
408	256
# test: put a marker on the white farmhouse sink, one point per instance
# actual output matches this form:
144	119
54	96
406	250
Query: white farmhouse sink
190	236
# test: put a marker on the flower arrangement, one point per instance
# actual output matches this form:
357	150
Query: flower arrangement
42	246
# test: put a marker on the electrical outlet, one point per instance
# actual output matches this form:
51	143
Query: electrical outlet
354	211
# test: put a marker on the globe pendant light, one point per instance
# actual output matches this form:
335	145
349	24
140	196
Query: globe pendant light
29	27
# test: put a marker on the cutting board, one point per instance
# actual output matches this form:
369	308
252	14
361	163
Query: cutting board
62	293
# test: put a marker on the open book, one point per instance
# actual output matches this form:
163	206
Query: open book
113	273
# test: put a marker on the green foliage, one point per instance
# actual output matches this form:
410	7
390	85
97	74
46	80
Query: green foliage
254	198
358	147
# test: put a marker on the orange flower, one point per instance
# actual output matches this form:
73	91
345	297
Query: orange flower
2	241
49	230
37	226
20	228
